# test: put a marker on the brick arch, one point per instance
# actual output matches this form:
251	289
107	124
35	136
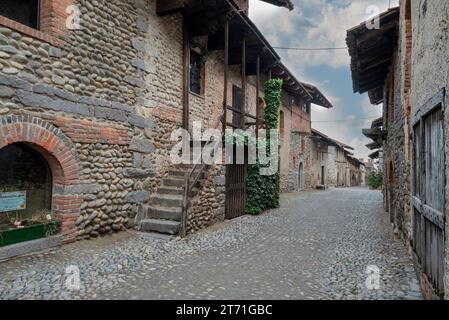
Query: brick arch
58	151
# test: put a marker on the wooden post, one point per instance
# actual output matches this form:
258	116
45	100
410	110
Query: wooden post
186	75
226	75
243	98
269	74
257	95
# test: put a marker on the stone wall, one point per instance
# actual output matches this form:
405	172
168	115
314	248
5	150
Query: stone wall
114	90
297	127
332	166
209	206
318	158
430	72
396	148
90	88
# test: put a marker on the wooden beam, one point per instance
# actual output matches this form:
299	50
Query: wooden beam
164	7
186	74
226	75
257	94
243	97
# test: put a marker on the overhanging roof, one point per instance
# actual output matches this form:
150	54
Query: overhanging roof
373	145
281	3
321	136
164	7
318	97
355	161
371	52
374	155
379	122
290	83
376	96
208	18
375	134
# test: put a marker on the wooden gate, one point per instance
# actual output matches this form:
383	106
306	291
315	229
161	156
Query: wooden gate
429	183
235	190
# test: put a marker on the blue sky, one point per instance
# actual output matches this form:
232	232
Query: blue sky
318	24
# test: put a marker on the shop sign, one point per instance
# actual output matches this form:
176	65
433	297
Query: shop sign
12	201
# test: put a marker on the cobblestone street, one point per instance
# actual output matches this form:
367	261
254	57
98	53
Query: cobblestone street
318	245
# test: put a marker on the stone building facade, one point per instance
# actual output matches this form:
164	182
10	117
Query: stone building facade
99	102
297	158
332	164
413	93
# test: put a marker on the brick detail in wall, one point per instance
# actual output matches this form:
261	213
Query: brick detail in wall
53	19
56	148
87	131
168	113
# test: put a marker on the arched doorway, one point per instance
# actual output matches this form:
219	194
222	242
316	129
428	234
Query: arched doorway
45	161
301	182
26	176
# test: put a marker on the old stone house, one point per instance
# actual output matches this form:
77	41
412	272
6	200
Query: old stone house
331	163
295	134
91	92
403	66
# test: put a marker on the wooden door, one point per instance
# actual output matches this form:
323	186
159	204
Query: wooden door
428	199
235	190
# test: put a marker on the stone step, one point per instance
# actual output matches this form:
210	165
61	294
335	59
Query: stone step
170	200
178	173
170	190
173	182
158	236
160	226
182	174
164	213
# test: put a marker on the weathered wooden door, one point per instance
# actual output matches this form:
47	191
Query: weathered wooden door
235	190
428	199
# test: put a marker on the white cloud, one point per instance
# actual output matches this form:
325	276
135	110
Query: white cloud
319	24
313	24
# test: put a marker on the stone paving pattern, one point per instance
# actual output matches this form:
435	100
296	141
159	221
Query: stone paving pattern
316	246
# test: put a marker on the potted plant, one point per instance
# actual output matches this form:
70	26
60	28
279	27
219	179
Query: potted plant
42	224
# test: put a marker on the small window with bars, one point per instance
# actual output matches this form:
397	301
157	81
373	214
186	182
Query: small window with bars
25	12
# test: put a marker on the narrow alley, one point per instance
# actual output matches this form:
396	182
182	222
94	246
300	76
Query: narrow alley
318	245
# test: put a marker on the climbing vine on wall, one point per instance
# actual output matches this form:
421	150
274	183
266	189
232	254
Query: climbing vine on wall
263	190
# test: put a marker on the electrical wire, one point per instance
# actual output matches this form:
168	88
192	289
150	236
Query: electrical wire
345	120
311	49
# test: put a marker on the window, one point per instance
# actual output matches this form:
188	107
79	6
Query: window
26	172
282	125
196	73
23	11
305	107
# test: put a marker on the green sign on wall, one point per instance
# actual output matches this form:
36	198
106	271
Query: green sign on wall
12	201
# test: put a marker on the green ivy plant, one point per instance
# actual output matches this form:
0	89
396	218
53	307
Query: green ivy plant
263	191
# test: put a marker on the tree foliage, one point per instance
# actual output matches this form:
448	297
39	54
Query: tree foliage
375	180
